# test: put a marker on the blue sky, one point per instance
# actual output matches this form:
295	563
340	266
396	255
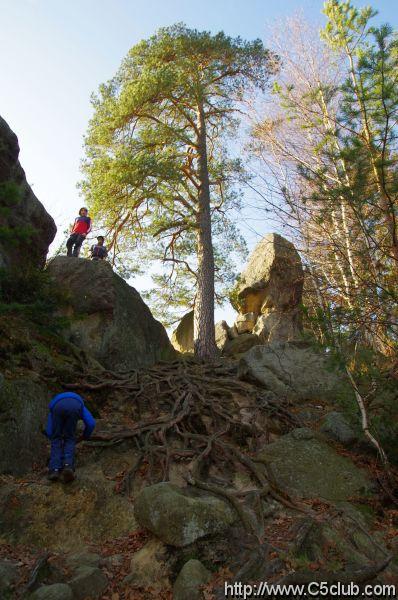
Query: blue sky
54	54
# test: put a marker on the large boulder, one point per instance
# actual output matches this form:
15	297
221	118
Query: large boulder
296	371
308	467
26	229
272	284
179	519
108	318
182	337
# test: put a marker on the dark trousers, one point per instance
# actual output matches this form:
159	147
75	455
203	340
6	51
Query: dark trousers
74	244
65	414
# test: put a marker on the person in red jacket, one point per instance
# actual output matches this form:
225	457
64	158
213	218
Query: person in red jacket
81	227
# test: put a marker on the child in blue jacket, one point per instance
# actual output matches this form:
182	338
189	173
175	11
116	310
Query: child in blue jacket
65	410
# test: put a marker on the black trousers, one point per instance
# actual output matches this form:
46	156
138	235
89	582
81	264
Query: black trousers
74	244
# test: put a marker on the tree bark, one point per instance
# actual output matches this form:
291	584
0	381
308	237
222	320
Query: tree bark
204	334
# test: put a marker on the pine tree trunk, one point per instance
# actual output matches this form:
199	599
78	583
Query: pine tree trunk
204	334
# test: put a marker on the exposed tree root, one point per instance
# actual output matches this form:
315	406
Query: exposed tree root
201	417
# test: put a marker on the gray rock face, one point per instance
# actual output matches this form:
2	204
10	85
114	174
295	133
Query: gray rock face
310	468
109	319
272	285
179	519
57	591
182	338
23	406
336	427
192	576
294	370
26	222
89	582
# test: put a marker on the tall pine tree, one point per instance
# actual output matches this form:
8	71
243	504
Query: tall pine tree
157	163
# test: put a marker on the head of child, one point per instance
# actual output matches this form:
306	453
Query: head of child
100	240
83	212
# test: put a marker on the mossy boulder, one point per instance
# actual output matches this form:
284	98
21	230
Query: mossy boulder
178	518
306	466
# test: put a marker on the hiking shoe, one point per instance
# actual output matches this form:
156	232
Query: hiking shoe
53	475
68	474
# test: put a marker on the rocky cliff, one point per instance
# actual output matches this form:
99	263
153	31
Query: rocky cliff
26	229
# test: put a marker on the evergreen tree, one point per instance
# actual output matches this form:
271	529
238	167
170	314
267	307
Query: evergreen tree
157	167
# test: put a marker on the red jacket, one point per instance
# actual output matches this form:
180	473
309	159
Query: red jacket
82	225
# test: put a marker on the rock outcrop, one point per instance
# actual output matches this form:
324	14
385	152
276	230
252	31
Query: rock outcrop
268	293
108	318
182	337
296	371
26	229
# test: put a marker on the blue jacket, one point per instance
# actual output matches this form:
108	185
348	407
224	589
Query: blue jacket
86	415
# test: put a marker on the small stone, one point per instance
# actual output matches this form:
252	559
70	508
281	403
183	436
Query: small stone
57	591
192	576
89	582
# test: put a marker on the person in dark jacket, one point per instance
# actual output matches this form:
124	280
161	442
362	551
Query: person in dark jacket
99	251
65	410
80	229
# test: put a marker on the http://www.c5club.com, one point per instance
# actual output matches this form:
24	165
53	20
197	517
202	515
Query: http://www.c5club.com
313	589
